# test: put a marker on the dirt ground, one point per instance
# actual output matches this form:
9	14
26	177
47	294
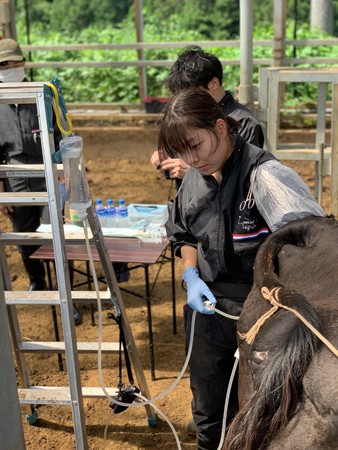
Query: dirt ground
118	166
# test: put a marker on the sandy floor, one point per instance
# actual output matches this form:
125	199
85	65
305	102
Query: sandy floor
118	166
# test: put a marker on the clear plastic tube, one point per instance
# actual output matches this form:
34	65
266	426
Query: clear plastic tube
77	188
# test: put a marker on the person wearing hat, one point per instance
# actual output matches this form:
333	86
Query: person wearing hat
12	62
20	144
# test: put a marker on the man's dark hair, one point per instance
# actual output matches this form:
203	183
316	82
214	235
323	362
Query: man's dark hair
194	68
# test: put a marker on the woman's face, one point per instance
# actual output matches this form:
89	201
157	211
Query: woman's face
208	151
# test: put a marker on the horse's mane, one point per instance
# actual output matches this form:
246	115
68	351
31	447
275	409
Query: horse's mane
278	382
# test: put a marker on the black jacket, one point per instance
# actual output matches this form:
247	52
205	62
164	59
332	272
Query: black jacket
20	134
208	216
19	131
250	129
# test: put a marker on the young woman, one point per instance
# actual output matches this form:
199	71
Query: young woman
233	195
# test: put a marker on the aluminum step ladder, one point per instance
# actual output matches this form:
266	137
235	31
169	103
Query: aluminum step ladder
46	100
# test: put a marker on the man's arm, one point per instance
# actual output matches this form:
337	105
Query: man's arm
176	167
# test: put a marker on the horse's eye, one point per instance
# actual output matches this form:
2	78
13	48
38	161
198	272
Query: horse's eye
259	357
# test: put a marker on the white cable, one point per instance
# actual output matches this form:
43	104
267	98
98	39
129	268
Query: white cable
99	309
212	307
227	398
228	316
165	418
178	379
207	304
160	413
146	401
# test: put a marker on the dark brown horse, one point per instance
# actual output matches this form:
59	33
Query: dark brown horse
288	378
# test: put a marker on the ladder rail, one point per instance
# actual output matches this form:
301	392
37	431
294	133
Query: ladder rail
14	325
114	288
63	277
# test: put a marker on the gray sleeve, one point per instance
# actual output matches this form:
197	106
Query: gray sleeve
281	195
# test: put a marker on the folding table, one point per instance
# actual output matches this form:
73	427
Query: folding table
124	250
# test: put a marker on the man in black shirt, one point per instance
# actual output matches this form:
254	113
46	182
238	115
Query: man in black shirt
196	68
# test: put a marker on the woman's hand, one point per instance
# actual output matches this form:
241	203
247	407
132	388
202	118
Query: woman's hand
198	291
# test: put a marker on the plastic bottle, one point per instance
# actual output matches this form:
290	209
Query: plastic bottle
111	220
122	214
101	212
76	184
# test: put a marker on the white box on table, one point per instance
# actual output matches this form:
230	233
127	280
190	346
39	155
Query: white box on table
156	214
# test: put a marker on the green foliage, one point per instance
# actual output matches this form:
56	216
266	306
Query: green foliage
108	84
75	15
306	93
105	22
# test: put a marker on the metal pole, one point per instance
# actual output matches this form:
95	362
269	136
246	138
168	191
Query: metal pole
321	15
246	53
7	19
140	53
279	20
334	153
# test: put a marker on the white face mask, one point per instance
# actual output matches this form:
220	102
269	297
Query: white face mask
14	75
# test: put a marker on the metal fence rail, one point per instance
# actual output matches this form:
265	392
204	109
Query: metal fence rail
170	45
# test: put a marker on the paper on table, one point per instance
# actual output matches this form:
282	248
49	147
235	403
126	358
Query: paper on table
70	230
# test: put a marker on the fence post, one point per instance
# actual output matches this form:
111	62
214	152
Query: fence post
334	152
245	88
7	19
279	19
140	52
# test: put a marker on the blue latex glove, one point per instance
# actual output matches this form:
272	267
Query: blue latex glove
197	291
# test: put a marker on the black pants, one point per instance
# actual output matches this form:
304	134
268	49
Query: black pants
27	218
211	364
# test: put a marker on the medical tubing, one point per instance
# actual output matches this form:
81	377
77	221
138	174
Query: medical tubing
164	393
178	379
99	307
166	419
228	316
161	414
99	310
212	307
226	405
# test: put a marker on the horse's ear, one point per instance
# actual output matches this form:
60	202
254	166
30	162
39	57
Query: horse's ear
241	336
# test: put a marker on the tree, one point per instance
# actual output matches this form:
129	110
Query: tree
79	14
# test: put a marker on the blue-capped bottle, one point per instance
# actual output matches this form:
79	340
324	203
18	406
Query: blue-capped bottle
111	220
101	212
122	214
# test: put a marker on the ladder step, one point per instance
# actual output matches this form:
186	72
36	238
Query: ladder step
26	170
24	198
53	297
57	347
25	238
32	298
31	238
46	395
